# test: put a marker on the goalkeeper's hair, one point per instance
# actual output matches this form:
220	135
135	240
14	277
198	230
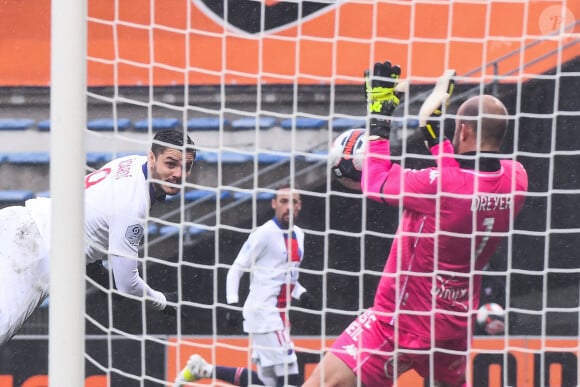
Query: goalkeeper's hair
166	138
285	185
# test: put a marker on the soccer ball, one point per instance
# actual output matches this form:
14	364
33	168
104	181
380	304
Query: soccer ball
489	312
347	157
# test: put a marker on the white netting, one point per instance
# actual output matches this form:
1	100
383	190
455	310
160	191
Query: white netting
263	88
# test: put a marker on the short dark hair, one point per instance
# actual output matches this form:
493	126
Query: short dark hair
166	138
285	185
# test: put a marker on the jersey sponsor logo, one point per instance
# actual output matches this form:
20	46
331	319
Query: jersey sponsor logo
447	292
350	350
258	16
134	234
96	177
364	321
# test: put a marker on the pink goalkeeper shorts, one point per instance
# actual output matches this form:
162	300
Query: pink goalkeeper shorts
367	346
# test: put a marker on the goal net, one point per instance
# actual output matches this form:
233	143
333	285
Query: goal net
262	88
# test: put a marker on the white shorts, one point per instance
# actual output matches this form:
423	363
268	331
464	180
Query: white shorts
24	269
272	348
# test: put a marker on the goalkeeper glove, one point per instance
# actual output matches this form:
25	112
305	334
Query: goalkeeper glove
432	109
382	98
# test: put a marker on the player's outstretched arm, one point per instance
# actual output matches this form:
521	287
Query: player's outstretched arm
431	118
127	280
382	99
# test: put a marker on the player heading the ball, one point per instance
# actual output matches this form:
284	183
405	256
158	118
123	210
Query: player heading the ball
118	198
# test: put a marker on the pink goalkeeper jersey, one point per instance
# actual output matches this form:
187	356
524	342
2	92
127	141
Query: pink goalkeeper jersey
451	216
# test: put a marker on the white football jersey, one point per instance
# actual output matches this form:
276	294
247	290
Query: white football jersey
272	262
117	203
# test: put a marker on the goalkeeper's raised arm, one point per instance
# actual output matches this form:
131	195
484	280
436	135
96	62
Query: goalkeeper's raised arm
451	223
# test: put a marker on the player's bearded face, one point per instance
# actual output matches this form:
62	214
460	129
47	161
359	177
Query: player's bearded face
168	169
282	204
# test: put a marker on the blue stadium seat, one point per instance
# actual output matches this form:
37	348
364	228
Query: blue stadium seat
35	158
303	123
227	157
152	229
270	158
125	154
174	230
44	126
198	194
43	194
108	124
343	123
315	156
260	196
250	123
157	124
412	123
98	157
16	123
206	123
15	196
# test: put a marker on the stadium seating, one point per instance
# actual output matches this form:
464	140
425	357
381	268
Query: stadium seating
206	123
109	124
344	123
43	126
303	123
16	123
315	156
412	123
98	157
250	123
26	158
157	124
187	230
199	194
15	196
271	158
226	157
260	196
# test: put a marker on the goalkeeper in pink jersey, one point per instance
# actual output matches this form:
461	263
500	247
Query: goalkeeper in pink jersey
453	218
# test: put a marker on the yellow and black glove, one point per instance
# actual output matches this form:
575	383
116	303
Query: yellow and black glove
430	114
382	98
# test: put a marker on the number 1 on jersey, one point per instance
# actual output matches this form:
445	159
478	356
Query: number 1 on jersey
487	228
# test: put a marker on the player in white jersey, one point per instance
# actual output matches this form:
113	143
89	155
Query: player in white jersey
271	255
117	201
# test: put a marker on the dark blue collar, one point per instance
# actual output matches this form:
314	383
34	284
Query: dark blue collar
278	223
275	220
155	194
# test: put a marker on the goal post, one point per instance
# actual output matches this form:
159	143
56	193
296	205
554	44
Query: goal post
67	169
263	87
